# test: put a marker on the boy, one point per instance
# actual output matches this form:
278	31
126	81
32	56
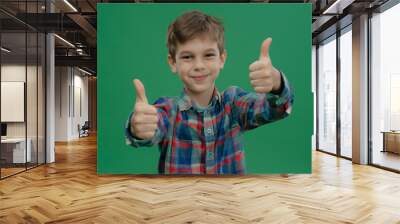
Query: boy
201	131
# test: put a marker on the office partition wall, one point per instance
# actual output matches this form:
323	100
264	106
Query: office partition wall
22	77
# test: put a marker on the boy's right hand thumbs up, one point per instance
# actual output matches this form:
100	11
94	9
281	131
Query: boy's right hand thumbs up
140	92
144	120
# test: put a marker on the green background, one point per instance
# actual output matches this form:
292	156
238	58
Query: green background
132	44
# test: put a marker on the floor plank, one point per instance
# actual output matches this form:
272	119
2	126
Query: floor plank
70	191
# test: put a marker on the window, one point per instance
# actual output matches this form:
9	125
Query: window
327	95
346	92
385	87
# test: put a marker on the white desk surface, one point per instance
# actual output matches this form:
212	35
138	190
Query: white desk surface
13	140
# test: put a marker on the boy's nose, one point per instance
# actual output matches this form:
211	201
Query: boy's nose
199	64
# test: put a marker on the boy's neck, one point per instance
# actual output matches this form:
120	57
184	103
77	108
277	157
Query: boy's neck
202	99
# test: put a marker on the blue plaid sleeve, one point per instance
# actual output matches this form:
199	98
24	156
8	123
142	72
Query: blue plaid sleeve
255	109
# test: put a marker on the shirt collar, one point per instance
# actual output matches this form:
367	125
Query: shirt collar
185	103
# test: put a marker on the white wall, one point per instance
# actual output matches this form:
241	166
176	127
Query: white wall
80	100
16	73
70	83
61	103
13	73
314	91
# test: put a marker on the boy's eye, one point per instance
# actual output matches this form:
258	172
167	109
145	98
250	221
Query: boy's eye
210	55
186	57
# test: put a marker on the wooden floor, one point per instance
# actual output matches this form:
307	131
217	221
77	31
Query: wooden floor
387	159
5	172
8	171
70	191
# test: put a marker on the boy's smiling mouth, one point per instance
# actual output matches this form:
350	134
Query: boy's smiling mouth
199	77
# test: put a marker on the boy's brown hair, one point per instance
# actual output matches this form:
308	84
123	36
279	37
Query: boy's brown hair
192	24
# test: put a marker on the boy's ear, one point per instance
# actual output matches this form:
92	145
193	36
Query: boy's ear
223	58
172	63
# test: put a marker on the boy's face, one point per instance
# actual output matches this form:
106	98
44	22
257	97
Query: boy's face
198	63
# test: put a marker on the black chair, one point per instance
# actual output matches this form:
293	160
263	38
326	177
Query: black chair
84	130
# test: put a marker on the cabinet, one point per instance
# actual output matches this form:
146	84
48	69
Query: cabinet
391	141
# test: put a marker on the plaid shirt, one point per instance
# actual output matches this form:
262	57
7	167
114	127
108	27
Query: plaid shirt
196	140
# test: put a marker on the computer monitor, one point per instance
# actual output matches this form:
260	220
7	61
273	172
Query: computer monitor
3	129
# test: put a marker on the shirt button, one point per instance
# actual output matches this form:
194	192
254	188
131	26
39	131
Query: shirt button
209	131
210	154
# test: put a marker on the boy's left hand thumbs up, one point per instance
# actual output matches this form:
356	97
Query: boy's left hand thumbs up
263	76
264	53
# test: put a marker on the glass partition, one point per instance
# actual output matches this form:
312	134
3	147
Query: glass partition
327	95
13	95
22	88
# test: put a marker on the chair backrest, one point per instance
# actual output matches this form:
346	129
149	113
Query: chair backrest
86	125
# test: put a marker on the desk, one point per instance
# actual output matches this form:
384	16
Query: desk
16	147
391	141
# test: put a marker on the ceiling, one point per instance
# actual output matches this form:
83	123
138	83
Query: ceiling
77	23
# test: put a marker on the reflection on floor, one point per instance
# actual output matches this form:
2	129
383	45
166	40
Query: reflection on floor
10	169
386	159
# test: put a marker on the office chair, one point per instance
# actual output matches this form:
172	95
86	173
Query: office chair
84	130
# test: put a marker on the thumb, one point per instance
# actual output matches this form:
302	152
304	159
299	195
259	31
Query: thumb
264	53
140	93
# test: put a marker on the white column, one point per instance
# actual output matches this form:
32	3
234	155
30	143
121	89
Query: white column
50	110
360	90
50	103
